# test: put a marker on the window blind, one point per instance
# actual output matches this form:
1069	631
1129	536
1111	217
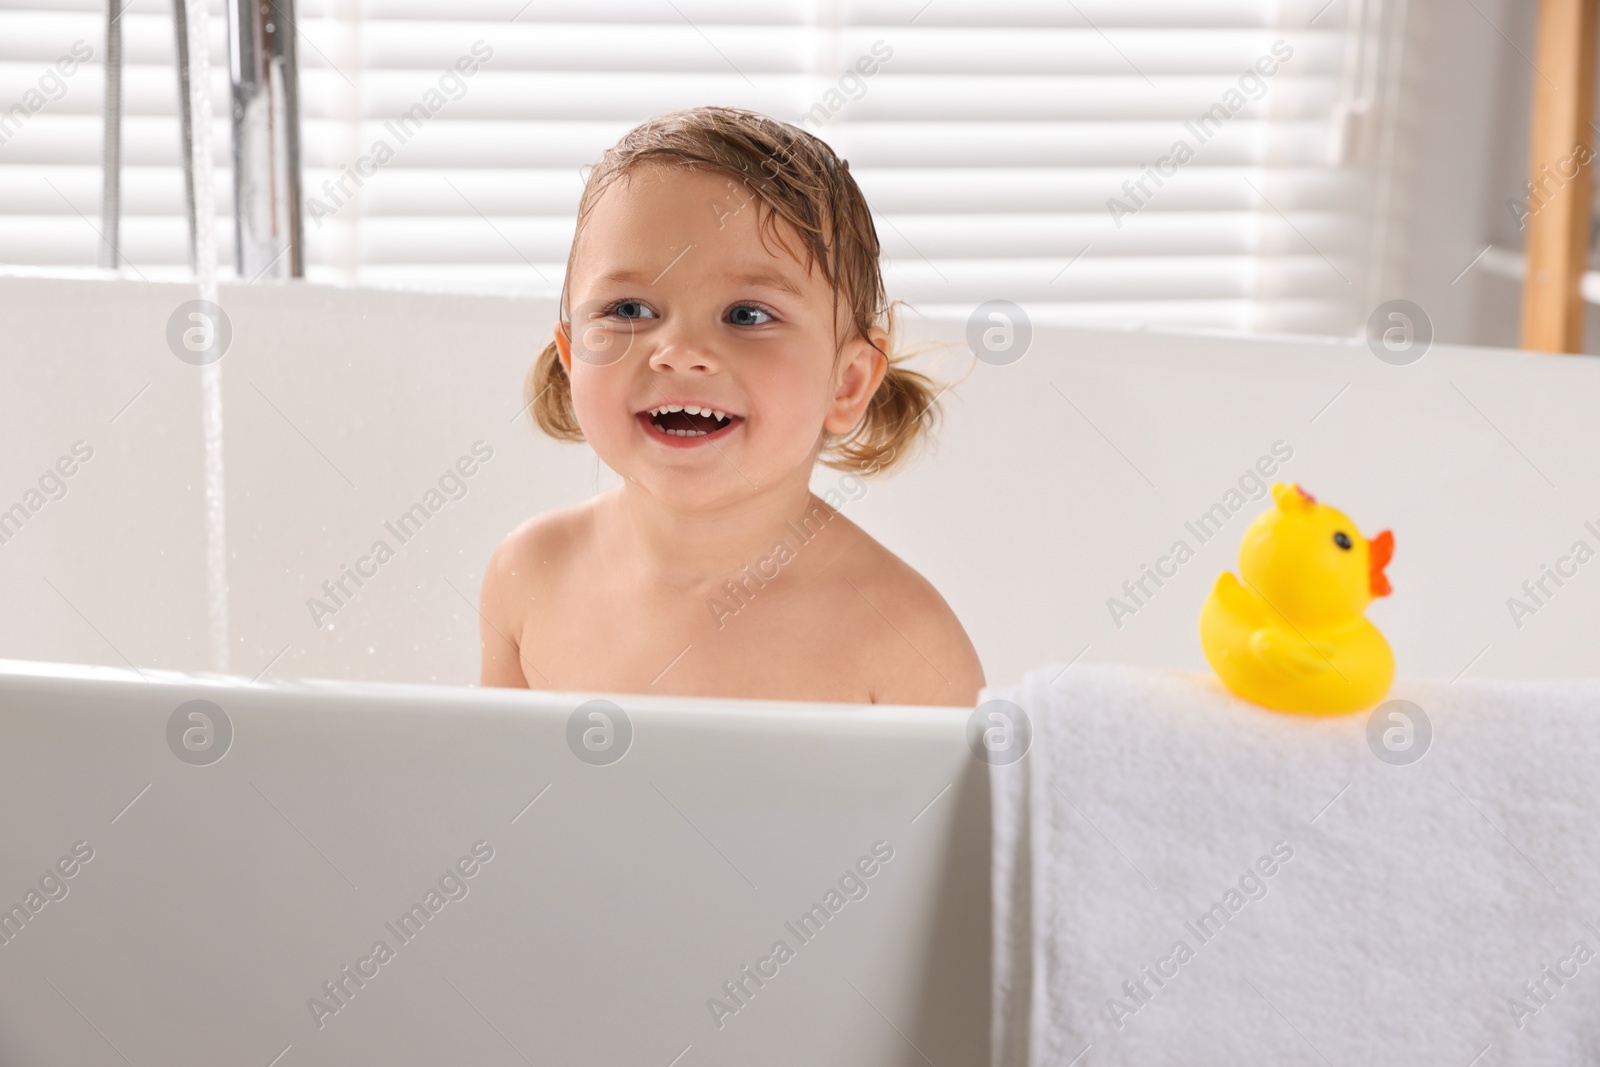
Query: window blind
1025	150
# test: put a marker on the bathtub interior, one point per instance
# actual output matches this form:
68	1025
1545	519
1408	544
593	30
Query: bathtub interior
1053	481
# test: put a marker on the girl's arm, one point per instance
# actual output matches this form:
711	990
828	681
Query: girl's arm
498	627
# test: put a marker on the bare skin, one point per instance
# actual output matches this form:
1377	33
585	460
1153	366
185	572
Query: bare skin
620	593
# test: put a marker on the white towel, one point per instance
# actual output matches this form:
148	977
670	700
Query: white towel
1411	910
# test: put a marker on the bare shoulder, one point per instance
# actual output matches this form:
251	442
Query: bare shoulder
550	533
920	651
536	552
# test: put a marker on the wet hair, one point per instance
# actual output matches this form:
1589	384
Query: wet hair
801	189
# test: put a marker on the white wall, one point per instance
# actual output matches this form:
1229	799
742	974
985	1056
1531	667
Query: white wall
1028	516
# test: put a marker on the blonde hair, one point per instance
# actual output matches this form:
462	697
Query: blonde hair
795	178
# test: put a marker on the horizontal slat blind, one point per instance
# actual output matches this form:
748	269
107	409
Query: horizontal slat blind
988	142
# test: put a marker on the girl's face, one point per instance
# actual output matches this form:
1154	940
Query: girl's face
677	303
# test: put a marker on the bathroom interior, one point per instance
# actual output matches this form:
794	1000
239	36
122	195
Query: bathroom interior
1370	273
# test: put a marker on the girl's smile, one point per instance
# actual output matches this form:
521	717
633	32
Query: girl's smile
687	424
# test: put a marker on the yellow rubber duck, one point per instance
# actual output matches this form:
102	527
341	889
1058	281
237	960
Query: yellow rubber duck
1293	636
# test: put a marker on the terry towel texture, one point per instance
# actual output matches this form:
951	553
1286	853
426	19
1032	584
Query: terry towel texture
1181	877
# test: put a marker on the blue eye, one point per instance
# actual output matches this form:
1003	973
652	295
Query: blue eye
630	309
746	315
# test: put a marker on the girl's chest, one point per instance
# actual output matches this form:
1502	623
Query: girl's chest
800	642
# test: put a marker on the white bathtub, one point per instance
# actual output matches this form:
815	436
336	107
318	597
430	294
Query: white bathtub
617	901
1056	480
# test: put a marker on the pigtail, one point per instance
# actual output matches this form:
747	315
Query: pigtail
901	417
547	396
902	414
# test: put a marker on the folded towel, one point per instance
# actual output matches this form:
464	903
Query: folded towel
1181	877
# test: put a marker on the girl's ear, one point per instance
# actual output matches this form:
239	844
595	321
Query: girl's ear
564	348
862	366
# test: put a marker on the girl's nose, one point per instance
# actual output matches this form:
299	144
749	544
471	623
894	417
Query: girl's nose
681	353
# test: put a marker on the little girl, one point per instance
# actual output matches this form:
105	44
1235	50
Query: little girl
723	330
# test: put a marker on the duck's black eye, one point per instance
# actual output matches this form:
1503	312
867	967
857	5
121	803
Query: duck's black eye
1342	539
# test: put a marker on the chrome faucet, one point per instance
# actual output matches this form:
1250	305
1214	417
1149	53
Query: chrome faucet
268	234
269	237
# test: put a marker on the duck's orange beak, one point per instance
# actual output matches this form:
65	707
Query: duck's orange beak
1379	551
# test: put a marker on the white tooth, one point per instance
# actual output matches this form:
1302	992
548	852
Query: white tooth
720	416
691	410
672	407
